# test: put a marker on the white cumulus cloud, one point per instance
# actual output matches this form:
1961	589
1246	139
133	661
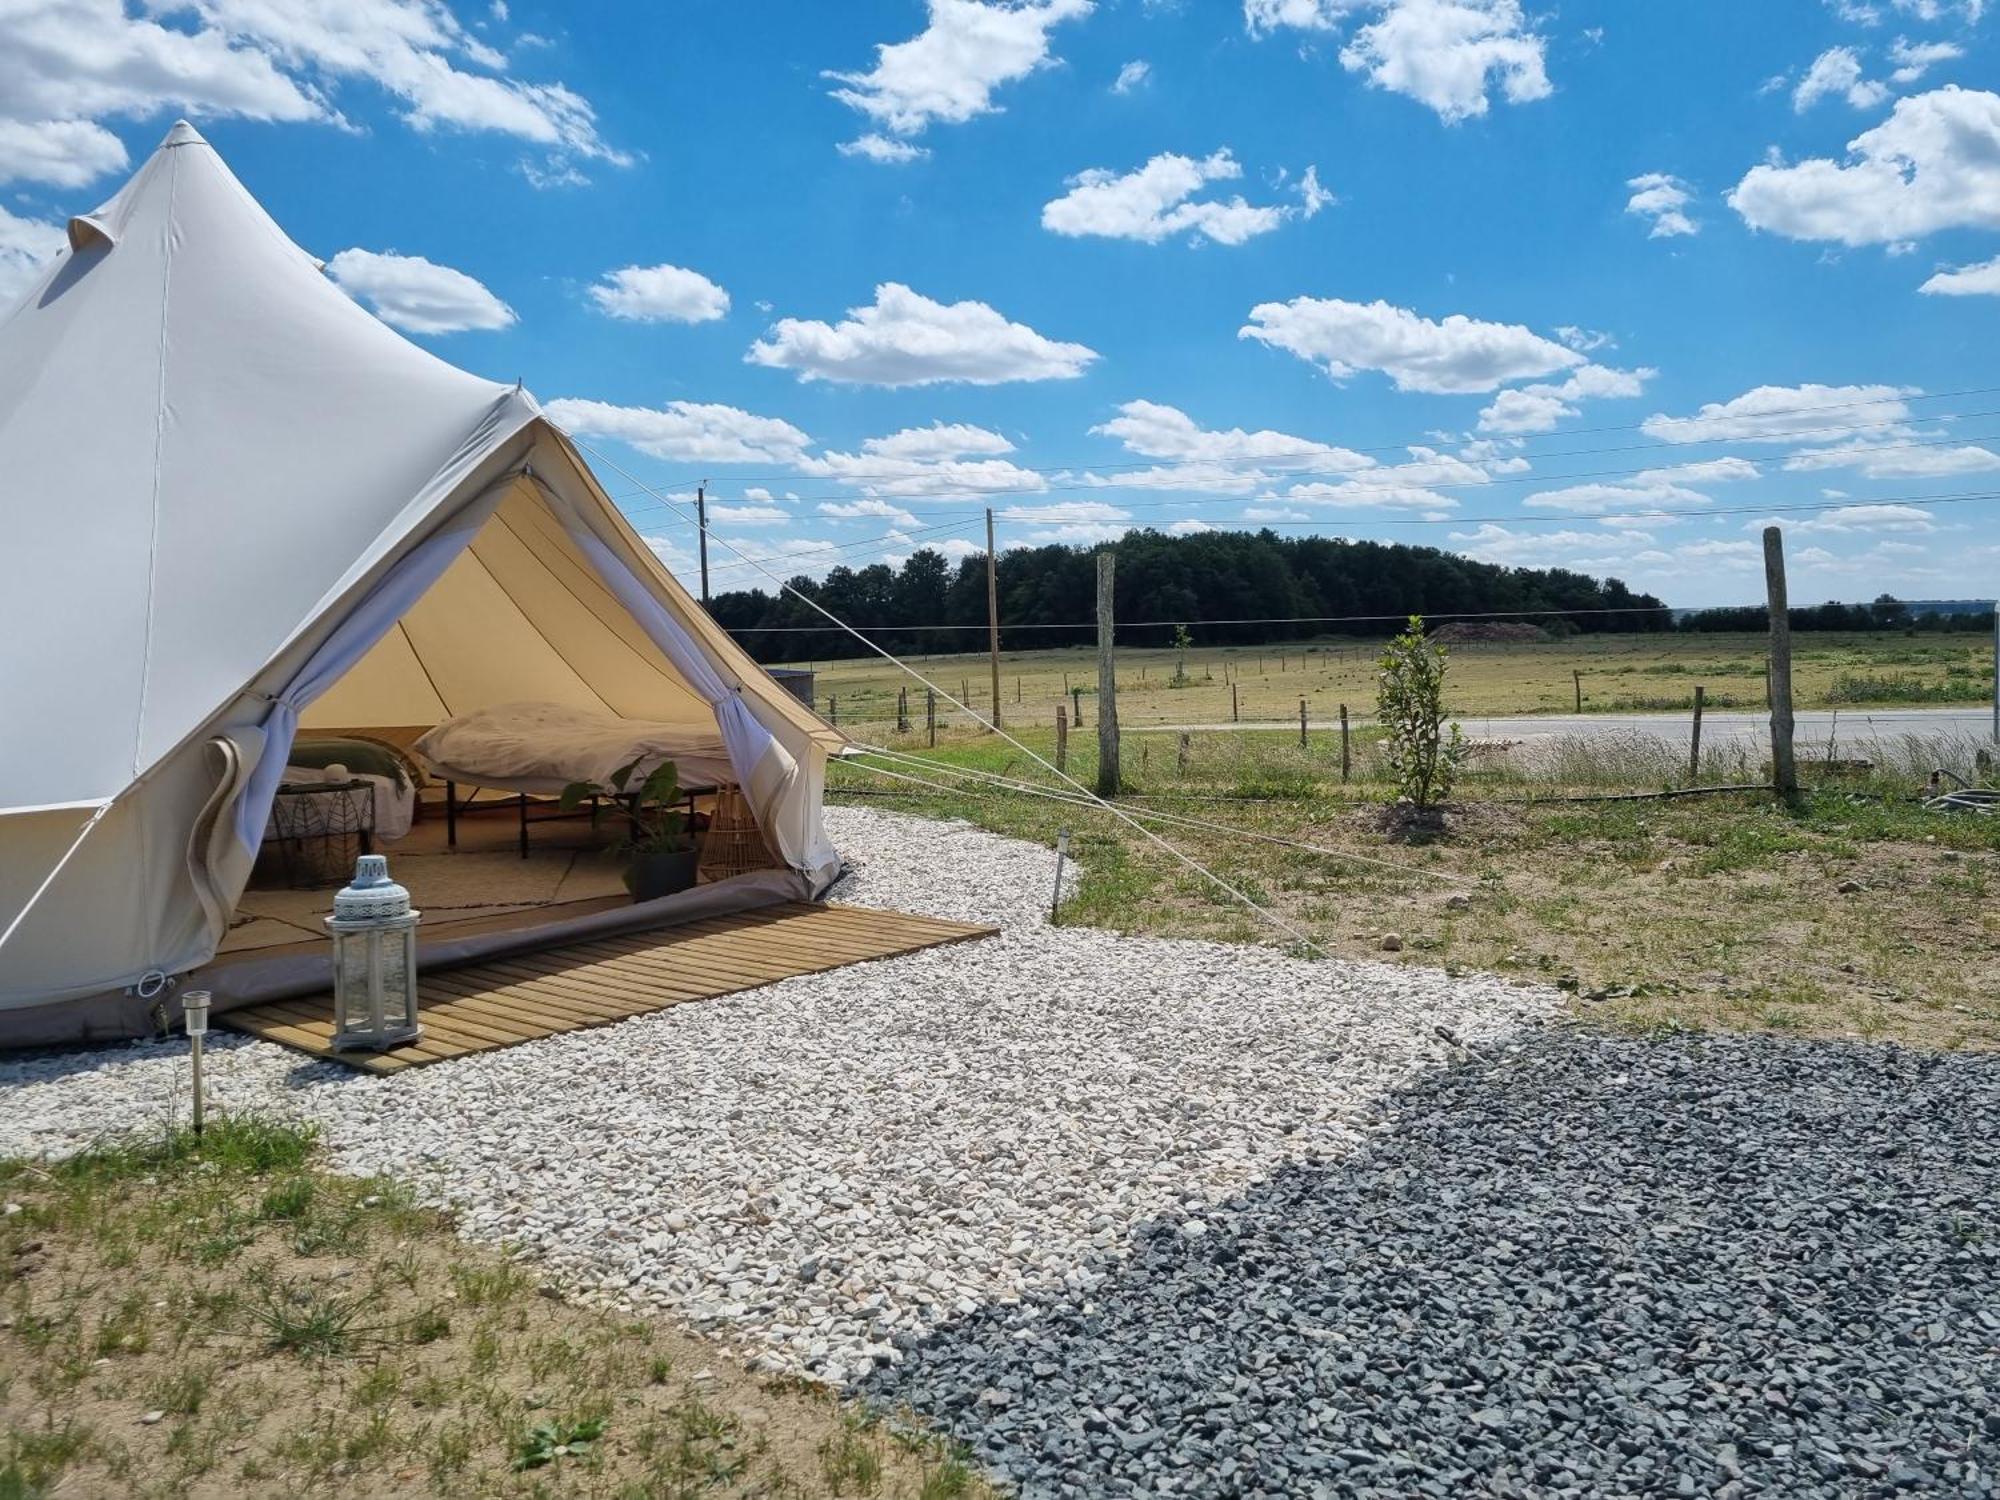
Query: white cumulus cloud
1154	430
1978	280
1914	59
1132	76
878	147
749	515
417	295
1664	200
660	294
692	431
1777	413
905	338
1874	459
1448	53
26	248
70	64
1933	164
939	440
1157	200
1455	355
856	510
1538	408
949	71
64	153
1838	71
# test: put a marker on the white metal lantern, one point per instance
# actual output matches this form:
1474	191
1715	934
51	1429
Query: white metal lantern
374	961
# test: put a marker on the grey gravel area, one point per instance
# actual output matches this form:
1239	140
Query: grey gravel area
1570	1266
815	1168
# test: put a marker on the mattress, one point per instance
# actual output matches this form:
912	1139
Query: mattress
540	748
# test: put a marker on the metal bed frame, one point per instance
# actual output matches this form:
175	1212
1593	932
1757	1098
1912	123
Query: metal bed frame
550	811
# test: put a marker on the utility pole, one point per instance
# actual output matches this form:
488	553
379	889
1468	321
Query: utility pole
1107	681
701	521
993	613
1784	769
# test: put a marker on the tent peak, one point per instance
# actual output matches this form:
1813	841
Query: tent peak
183	134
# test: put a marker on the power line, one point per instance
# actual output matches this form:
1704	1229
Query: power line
863	544
1312	449
1362	481
1485	614
1961	498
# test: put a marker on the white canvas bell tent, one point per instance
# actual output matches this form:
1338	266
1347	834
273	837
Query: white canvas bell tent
232	500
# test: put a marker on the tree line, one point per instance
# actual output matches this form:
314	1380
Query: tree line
1225	587
1886	613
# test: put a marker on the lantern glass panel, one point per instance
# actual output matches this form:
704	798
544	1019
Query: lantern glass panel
396	978
351	979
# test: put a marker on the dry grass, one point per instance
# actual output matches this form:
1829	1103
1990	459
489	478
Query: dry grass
1620	674
1723	912
221	1320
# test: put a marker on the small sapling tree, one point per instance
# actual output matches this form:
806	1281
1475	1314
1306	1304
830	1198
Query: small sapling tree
1421	746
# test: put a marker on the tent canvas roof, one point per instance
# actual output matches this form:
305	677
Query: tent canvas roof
205	444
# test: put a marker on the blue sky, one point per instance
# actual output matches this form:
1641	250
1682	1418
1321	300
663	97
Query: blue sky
1594	285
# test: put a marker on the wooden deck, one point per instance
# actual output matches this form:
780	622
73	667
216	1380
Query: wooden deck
483	1007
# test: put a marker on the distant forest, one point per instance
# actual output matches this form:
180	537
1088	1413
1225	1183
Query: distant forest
1294	586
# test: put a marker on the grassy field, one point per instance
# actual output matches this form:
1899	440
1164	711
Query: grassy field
1857	914
1618	674
221	1319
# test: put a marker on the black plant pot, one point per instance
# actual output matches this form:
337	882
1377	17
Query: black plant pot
651	876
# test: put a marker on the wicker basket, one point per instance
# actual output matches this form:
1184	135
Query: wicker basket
733	843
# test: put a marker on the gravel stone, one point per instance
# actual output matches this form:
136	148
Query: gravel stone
932	1135
1572	1265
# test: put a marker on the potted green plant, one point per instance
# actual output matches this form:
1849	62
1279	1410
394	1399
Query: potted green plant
660	852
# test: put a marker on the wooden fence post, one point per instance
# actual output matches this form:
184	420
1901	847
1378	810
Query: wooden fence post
1694	745
832	710
930	714
1577	677
1345	763
1784	769
1107	680
1302	723
1076	706
1235	709
993	615
902	710
1062	739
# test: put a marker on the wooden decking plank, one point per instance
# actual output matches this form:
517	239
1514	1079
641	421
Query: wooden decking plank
554	1008
272	1030
838	935
530	1000
318	1017
587	984
890	927
525	996
710	961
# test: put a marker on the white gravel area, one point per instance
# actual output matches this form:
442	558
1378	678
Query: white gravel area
817	1167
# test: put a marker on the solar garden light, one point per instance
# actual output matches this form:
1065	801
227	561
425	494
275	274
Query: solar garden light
374	961
194	1014
1062	853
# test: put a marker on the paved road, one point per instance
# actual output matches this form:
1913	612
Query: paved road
1718	726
